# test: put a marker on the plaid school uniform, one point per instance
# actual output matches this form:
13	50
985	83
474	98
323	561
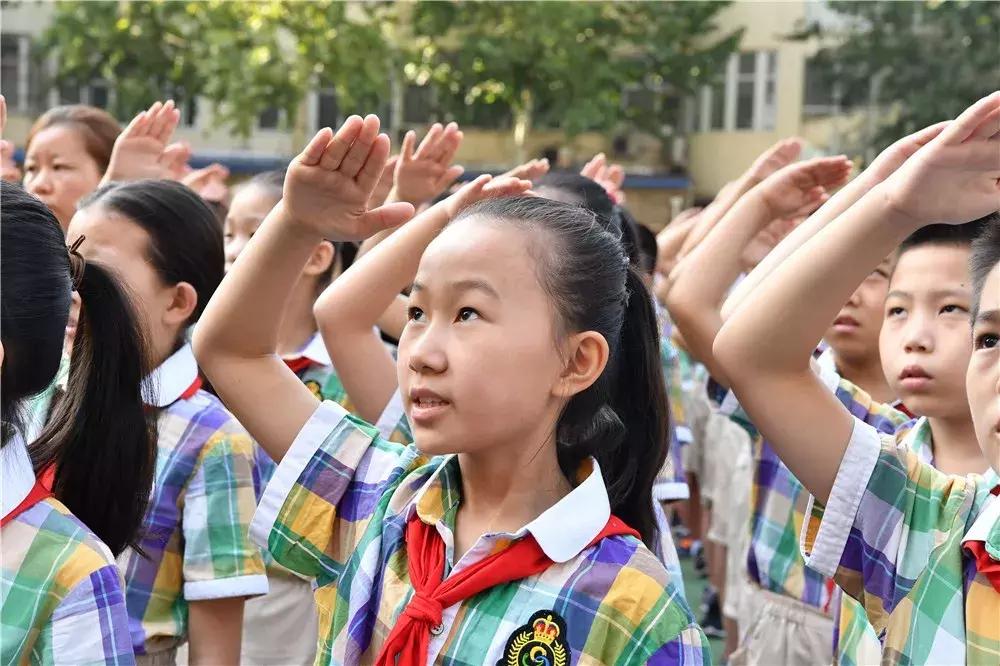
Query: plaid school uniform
337	509
61	600
195	533
894	534
778	500
855	641
671	483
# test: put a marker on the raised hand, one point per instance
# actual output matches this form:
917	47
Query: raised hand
802	185
8	167
529	170
774	158
895	155
209	182
329	185
485	187
139	150
609	176
425	171
175	160
955	177
385	183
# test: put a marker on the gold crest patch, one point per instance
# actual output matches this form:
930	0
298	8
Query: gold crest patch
539	642
314	386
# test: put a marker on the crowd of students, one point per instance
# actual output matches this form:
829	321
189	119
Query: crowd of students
355	411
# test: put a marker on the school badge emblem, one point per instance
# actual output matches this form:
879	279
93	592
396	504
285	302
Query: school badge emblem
540	642
314	386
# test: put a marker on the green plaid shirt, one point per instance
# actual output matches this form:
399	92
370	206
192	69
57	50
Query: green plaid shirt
336	510
891	535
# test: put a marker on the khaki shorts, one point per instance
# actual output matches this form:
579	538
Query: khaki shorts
731	490
784	631
165	658
281	627
738	536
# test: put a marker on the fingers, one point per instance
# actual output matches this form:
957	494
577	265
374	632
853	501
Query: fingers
449	144
137	126
371	171
430	139
409	141
164	121
989	127
449	176
504	187
311	154
969	121
616	175
341	142
356	157
594	167
386	217
927	134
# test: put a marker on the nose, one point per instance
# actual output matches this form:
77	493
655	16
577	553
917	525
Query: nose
918	336
425	350
40	184
855	299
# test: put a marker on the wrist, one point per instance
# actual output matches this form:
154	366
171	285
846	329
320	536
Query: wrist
294	228
893	211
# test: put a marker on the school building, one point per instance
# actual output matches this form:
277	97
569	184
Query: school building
767	93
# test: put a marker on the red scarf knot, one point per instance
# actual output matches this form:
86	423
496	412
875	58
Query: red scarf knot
424	609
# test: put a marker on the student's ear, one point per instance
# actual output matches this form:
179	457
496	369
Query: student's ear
320	260
183	301
585	361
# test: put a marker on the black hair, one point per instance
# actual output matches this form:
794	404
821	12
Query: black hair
622	419
956	235
344	251
99	439
186	239
645	241
985	256
572	188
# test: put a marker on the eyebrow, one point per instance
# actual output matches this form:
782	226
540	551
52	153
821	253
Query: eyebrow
988	317
936	293
464	285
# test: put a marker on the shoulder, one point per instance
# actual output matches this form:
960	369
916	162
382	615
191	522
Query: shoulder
202	425
53	543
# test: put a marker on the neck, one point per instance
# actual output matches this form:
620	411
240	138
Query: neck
298	324
504	489
867	374
956	449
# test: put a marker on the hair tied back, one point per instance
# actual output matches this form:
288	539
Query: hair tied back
77	264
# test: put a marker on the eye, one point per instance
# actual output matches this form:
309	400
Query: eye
986	341
414	314
895	311
952	308
467	314
880	272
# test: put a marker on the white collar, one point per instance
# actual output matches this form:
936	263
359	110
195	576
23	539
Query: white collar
18	475
987	518
172	378
568	526
315	351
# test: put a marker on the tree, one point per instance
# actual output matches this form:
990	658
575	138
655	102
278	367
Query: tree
566	64
242	57
911	63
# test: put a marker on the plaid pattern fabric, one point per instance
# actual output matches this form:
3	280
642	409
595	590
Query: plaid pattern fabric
778	502
671	482
62	601
891	536
336	509
855	641
195	533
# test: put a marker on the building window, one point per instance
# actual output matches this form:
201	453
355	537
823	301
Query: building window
327	109
14	71
99	95
745	99
269	118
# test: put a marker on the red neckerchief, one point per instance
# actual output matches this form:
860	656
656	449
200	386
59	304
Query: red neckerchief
409	639
985	564
188	393
299	364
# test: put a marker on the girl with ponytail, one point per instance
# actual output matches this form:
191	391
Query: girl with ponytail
514	526
75	497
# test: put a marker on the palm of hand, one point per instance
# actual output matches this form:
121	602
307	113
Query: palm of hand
417	180
316	197
139	157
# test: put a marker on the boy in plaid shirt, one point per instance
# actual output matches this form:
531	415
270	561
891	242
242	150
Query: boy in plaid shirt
917	547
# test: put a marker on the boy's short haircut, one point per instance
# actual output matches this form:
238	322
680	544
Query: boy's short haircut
985	255
956	235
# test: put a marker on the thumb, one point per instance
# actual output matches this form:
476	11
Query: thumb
385	217
449	176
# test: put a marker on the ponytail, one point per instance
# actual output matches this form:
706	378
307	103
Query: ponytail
622	418
100	438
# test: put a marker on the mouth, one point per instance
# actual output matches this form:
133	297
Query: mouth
845	323
914	377
427	406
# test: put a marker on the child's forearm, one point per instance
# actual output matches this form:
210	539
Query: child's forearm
215	632
794	306
837	204
359	298
713	213
700	282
